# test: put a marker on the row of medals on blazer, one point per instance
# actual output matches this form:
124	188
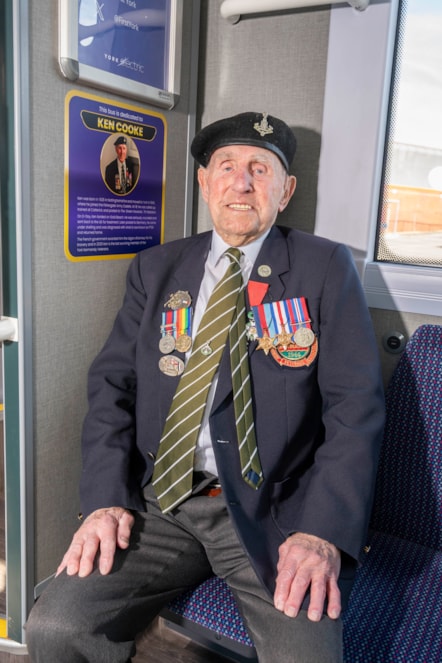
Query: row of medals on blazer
302	337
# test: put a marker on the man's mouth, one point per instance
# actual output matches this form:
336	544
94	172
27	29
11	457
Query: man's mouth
240	207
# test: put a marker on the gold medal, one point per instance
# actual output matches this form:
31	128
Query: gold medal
265	343
183	343
283	339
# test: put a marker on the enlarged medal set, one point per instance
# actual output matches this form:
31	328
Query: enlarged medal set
282	329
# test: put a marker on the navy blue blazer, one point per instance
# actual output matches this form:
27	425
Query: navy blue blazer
318	426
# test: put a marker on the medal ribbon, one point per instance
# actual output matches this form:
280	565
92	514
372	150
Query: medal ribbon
261	324
184	317
168	322
273	318
176	322
298	312
281	316
256	291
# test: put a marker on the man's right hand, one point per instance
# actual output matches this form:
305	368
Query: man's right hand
100	534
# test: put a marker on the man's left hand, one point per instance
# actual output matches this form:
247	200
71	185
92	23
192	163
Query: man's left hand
306	561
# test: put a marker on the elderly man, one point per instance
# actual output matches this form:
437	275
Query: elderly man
121	174
235	414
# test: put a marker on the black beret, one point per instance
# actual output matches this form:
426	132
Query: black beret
121	140
260	129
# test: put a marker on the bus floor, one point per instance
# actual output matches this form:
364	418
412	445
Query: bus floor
158	644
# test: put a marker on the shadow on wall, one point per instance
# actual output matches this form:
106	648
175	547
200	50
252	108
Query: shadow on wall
301	211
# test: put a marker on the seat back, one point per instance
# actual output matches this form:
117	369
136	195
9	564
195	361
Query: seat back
408	501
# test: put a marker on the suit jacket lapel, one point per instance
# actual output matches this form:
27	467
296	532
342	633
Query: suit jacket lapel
272	264
189	272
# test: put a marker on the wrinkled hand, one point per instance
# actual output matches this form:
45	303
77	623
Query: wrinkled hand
100	534
308	561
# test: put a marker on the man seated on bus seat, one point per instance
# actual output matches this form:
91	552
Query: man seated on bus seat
282	514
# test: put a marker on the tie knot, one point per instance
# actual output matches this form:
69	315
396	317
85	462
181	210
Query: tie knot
233	254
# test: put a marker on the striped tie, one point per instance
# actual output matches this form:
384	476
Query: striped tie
242	397
173	471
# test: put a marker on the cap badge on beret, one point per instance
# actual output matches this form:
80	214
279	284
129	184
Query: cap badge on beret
263	127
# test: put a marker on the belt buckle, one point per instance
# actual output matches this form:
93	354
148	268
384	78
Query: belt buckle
211	491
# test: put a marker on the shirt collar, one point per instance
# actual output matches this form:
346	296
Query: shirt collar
219	246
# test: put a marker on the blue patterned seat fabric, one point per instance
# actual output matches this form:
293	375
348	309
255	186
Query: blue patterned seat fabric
210	614
395	610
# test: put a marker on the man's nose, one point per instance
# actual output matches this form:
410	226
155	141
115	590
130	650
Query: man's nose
243	180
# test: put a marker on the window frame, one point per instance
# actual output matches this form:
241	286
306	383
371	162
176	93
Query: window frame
358	79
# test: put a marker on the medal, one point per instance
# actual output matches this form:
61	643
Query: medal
284	339
265	343
175	330
262	315
179	299
171	365
284	330
183	343
304	337
167	344
167	341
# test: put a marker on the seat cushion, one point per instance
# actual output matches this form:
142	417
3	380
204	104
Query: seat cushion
213	606
395	609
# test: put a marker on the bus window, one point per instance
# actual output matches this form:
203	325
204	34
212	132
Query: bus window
410	218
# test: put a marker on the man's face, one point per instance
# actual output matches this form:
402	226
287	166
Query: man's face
245	187
121	151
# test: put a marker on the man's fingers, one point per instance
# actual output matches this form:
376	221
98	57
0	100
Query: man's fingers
317	598
88	554
125	524
307	563
293	590
334	600
283	587
99	535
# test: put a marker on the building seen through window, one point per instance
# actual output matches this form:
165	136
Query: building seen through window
410	218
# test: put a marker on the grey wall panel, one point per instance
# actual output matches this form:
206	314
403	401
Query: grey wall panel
387	321
274	63
75	303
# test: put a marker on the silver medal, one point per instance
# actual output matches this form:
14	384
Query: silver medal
171	365
167	344
304	337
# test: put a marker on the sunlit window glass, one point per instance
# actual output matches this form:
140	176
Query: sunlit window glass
410	219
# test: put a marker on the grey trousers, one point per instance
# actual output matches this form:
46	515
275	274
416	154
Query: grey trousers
96	619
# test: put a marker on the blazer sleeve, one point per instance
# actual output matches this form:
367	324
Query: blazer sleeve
341	481
109	453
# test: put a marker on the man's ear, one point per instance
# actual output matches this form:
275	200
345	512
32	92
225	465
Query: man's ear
202	181
289	190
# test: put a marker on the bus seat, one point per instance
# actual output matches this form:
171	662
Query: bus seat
209	615
395	609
